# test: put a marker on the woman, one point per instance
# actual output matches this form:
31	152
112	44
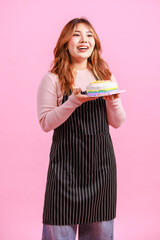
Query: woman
81	180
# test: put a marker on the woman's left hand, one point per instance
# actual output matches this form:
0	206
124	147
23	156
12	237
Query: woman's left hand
111	97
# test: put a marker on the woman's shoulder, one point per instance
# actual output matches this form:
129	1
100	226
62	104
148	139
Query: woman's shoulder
113	78
49	80
50	76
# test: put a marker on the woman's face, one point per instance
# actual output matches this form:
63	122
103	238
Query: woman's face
81	44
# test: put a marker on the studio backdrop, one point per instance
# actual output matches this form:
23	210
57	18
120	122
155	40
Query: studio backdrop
130	35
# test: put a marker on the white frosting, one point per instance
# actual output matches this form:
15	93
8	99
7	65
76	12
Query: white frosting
102	85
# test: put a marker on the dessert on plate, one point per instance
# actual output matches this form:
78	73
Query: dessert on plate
101	88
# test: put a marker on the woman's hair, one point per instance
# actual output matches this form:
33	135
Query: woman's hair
62	62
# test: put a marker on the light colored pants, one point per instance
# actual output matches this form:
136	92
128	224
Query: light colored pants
91	231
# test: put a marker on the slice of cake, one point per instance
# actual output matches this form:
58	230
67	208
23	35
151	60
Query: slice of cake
101	88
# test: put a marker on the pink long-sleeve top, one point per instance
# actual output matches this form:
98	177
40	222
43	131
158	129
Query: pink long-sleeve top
51	113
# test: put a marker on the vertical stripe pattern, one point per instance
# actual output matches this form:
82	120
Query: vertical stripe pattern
81	183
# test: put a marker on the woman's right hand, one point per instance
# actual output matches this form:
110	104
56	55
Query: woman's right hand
81	97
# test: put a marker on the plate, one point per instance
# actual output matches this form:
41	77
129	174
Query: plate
110	93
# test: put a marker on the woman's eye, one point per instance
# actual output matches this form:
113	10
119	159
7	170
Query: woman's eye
90	35
76	34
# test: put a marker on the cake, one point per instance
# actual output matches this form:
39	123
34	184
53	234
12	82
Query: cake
101	88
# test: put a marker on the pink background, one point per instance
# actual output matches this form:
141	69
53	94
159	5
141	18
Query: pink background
130	37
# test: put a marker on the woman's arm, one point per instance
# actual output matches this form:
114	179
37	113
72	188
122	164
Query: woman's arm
115	112
51	115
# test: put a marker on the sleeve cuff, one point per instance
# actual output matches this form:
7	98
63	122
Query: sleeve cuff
74	100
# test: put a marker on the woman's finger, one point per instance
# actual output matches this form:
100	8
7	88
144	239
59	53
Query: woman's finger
77	90
111	97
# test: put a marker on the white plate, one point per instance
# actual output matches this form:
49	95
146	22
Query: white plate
110	93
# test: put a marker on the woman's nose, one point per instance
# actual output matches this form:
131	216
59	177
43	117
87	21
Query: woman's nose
83	39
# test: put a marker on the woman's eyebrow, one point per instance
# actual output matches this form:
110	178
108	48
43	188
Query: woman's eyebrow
80	31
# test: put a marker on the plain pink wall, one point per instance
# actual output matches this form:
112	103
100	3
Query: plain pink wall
130	37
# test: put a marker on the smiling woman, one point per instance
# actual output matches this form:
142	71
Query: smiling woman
81	45
81	184
75	33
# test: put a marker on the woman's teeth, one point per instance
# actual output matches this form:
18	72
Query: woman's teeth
79	48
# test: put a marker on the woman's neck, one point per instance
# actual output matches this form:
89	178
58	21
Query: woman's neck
80	65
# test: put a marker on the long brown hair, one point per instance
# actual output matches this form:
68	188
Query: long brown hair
62	62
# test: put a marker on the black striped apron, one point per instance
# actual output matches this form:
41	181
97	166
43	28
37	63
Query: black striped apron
81	183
